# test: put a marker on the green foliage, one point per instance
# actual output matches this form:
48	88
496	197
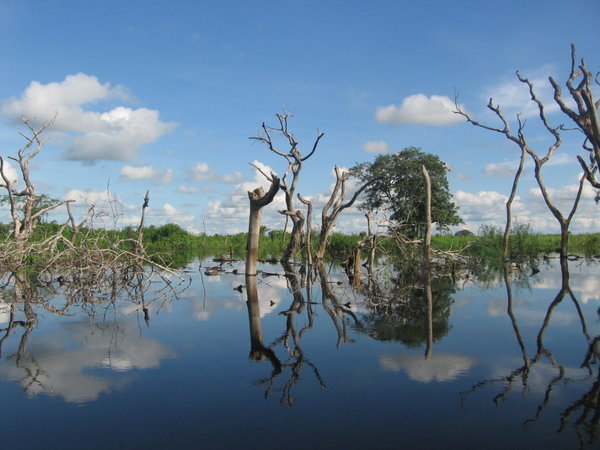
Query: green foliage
398	187
41	201
342	244
174	244
463	233
405	317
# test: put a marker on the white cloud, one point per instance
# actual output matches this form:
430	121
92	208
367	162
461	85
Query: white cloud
90	197
133	173
116	134
68	361
513	95
420	109
499	170
108	208
203	172
11	173
234	177
484	205
489	207
231	214
439	367
187	189
169	213
565	195
376	147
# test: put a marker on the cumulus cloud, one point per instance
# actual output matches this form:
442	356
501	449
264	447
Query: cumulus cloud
484	205
187	189
231	213
488	207
564	195
513	96
11	173
421	110
133	173
376	147
168	213
107	206
116	134
499	170
89	197
203	172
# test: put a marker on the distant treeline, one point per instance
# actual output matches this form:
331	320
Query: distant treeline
172	242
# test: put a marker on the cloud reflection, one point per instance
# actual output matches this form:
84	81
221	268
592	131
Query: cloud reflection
54	365
438	367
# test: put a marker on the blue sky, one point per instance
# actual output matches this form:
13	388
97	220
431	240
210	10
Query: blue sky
163	96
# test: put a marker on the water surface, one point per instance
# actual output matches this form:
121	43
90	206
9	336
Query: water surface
279	362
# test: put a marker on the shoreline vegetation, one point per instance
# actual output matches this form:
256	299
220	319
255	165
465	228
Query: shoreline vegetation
175	246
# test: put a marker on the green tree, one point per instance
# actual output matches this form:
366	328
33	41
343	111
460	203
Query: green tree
398	189
41	202
398	312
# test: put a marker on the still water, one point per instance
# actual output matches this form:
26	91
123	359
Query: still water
509	361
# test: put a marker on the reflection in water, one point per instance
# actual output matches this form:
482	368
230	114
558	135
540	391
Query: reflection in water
337	312
583	414
437	367
69	362
290	368
53	366
308	327
414	310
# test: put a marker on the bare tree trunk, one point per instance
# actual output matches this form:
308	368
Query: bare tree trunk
509	202
427	238
519	139
336	205
258	352
140	237
356	281
296	234
429	297
307	238
295	161
373	242
258	199
256	335
25	220
586	117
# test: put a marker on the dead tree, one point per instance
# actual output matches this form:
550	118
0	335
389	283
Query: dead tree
258	199
307	244
23	201
336	205
539	161
427	238
294	158
372	237
586	116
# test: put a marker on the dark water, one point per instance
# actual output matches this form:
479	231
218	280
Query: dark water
484	364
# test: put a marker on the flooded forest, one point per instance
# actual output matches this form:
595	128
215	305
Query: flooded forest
467	341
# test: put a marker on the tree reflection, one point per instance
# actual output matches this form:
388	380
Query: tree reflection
588	405
414	310
290	368
337	311
55	367
415	313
